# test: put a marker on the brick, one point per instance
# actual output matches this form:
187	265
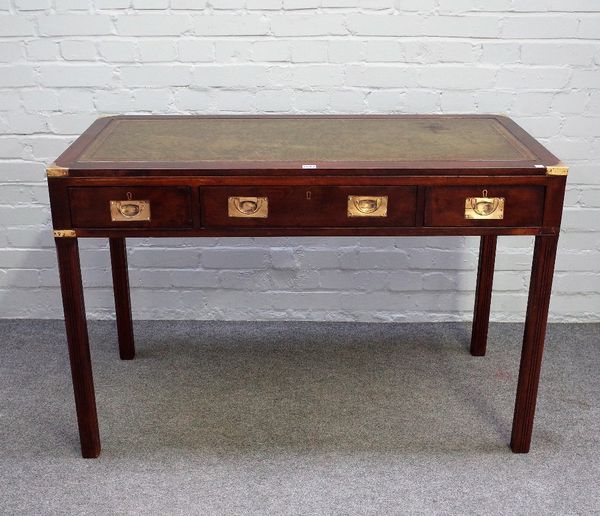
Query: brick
188	4
157	51
157	75
195	100
311	101
551	53
540	27
15	26
472	26
230	25
150	4
350	101
582	126
73	5
113	102
271	51
535	78
391	101
164	258
70	123
223	258
42	50
240	76
153	25
570	102
273	100
458	102
589	27
233	51
114	4
10	52
456	77
148	99
500	52
414	5
346	51
74	101
454	6
46	148
585	79
76	75
533	103
227	4
494	101
196	50
265	5
75	25
307	25
385	25
78	50
28	258
591	198
16	76
40	100
10	147
374	76
26	123
309	52
118	51
301	4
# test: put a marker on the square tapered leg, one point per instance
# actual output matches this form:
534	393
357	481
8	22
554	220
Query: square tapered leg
483	294
533	341
120	274
78	343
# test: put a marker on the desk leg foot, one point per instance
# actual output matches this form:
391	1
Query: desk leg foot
483	294
79	349
118	258
538	303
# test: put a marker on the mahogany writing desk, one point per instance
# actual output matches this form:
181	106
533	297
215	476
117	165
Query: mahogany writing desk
158	176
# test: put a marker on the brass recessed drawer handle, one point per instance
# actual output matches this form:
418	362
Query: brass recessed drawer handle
129	210
248	207
367	205
490	208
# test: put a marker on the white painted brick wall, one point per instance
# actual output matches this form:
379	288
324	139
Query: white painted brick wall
64	62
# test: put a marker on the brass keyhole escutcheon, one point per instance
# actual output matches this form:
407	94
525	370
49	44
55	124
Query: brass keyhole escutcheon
308	195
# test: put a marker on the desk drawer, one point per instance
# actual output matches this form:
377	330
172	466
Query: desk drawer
306	206
504	206
131	207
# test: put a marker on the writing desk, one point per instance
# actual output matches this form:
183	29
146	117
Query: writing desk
195	176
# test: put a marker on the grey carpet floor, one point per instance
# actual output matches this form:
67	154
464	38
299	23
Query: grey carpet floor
298	418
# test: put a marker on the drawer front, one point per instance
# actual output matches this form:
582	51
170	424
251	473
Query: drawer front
131	207
504	206
300	206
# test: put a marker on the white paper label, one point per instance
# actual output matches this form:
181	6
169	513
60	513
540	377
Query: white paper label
309	166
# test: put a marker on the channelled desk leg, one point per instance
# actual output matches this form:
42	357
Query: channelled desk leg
118	257
483	294
79	348
540	287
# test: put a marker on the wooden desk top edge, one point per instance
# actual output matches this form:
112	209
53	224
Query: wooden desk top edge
68	165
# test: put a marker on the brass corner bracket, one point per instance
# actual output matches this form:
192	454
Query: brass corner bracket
557	170
65	233
54	170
